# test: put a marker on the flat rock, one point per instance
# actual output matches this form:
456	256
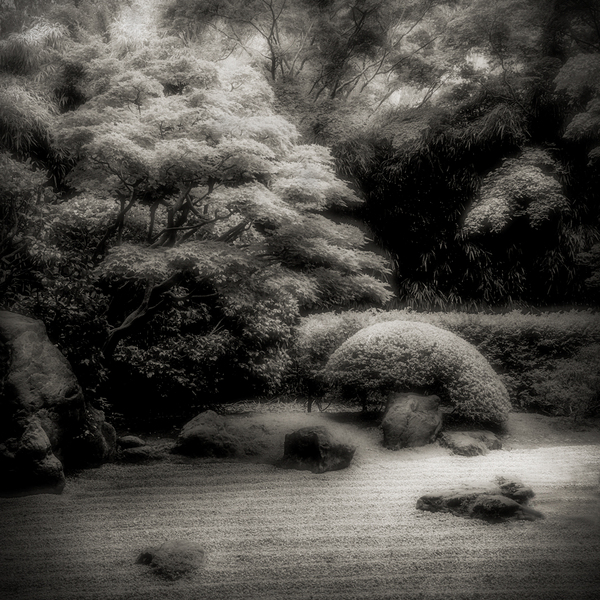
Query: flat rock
507	500
174	559
470	443
494	507
316	449
141	454
130	441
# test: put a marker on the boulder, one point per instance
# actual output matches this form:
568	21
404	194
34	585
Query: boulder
507	500
470	443
315	449
28	462
207	435
411	420
174	559
39	392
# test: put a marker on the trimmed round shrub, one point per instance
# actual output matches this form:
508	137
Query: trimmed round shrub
410	356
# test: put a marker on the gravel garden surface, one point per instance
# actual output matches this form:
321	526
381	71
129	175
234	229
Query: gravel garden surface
270	533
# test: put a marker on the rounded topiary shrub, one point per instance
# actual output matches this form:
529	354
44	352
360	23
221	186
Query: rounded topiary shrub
411	356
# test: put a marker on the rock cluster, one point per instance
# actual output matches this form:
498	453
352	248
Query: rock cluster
313	448
506	500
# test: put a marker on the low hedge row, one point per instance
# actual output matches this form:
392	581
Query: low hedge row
548	362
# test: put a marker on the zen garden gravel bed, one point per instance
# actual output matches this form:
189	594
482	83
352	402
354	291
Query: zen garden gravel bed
269	533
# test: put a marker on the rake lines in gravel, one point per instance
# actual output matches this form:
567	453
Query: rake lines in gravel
273	534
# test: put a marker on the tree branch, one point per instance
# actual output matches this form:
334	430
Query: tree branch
141	313
116	226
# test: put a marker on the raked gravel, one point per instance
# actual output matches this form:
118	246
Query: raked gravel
285	535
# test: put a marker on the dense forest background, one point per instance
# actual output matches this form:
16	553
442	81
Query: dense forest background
184	180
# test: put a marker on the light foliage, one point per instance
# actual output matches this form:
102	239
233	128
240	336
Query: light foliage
25	116
201	210
207	166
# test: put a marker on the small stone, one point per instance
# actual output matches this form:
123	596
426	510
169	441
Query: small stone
515	489
174	559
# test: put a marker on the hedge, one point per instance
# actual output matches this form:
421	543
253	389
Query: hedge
523	349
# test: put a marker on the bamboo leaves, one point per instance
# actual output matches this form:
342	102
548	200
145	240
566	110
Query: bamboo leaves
521	187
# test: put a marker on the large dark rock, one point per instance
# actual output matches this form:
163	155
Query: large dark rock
315	449
173	559
470	443
30	463
411	420
207	435
43	411
507	500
